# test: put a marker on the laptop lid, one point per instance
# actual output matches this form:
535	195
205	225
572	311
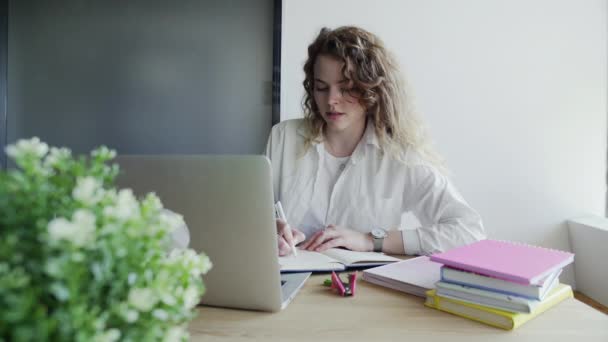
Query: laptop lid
227	203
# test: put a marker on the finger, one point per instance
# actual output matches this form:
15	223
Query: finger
306	244
285	231
288	235
298	236
280	226
337	242
284	248
324	236
328	233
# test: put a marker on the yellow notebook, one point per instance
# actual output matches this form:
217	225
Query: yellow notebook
498	318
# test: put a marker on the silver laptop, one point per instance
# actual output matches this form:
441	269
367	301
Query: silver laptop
227	203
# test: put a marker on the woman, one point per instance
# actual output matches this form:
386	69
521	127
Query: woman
357	172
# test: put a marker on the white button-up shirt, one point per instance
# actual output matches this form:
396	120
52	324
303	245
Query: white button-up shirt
373	191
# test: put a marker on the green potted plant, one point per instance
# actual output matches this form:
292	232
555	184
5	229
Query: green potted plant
81	260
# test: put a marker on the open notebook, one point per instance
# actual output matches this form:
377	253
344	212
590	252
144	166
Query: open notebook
333	259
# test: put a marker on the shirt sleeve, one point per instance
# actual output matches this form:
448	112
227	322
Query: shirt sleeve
273	152
447	220
268	151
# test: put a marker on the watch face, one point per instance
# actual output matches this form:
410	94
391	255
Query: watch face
378	233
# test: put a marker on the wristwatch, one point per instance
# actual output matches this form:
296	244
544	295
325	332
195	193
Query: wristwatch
378	235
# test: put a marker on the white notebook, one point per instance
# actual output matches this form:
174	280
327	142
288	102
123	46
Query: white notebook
479	281
333	259
492	299
414	276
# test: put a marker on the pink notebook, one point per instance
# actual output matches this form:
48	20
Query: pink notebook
506	260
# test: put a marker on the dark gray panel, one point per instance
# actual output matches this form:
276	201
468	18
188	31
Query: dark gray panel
142	76
276	61
3	81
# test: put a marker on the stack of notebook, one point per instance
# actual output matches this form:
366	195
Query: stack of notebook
500	283
414	276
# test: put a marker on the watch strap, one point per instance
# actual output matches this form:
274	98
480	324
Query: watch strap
378	243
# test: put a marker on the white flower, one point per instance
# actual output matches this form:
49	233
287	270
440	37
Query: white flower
175	334
23	147
80	232
131	315
104	152
168	299
111	335
198	264
172	220
60	229
84	216
153	201
88	190
126	206
191	297
84	220
163	277
143	299
109	229
160	314
56	156
205	263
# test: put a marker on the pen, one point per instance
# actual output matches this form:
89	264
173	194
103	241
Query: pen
281	214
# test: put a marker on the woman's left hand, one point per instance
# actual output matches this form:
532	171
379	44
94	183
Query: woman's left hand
336	236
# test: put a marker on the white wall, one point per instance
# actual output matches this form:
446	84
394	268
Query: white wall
514	93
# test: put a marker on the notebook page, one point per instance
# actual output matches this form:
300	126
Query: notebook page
348	257
308	260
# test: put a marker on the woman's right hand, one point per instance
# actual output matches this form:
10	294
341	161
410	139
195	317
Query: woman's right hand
286	234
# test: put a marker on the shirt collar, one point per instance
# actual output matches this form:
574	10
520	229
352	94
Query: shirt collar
369	136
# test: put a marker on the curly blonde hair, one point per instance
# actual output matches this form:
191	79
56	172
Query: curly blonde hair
379	87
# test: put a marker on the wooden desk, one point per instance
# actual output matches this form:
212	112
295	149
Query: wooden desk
380	314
